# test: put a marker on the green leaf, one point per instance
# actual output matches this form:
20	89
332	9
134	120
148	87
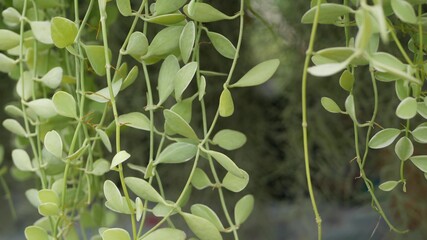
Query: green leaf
53	143
161	210
422	109
65	104
63	31
234	183
139	209
243	209
143	189
183	78
388	186
14	127
6	64
177	153
24	87
124	7
41	31
21	160
165	42
258	74
384	138
226	163
11	17
229	139
112	194
184	109
167	74
167	19
202	88
130	78
407	108
402	89
138	45
13	111
347	81
103	95
135	120
177	124
330	105
48	196
104	138
201	227
166	234
186	40
8	39
167	6
115	234
32	196
222	45
420	134
226	104
53	78
203	12
404	11
404	148
364	35
382	58
336	55
327	69
119	158
329	13
43	107
420	162
200	179
350	108
96	57
36	233
205	212
100	167
48	209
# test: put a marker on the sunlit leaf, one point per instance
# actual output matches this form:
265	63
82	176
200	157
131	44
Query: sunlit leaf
130	78
329	13
384	138
36	233
407	108
229	139
222	45
124	7
165	42
420	162
112	194
177	153
6	64
11	17
63	31
203	12
14	127
177	124
167	19
41	31
115	234
404	148
388	186
21	160
8	39
258	74
347	80
208	214
103	95
65	104
183	78
167	74
186	40
330	105
226	163
404	11
166	234
202	228
104	138
53	78
53	143
143	189
226	104
137	45
119	158
243	209
235	183
167	6
135	120
96	57
200	180
43	107
420	134
24	87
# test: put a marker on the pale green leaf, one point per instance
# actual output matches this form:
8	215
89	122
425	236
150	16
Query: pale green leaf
167	6
329	13
24	87
6	64
48	209
201	227
167	19
138	45
48	196
226	163
420	134
229	139
402	89
115	234
183	78
63	31
162	210
135	120
36	233
226	104
330	105
186	41
65	104
21	160
404	148
11	17
366	29
347	80
177	153
41	31
200	179
235	183
407	108
96	57
384	138
14	127
119	158
184	109
222	45
100	167
103	95
139	208
177	124
8	39
327	69
32	196
105	139
420	162
202	88
203	12
258	74
143	189
388	186
130	78
43	107
167	74
243	209
350	108
53	143
112	194
165	42
166	234
124	7
53	78
404	11
205	212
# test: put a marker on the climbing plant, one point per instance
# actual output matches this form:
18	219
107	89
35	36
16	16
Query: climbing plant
69	127
371	27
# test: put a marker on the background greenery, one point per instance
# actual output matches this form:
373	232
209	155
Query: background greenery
270	115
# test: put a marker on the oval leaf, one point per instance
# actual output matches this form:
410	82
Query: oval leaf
226	104
420	134
226	163
143	189
229	139
388	186
200	179
201	227
124	7
53	78
63	32
186	40
14	127
203	12
177	124
234	183
330	105
420	162
8	39
404	11
96	57
119	158
65	104
384	138
135	120
404	148
43	107
222	45
167	74
41	31
167	6
407	108
258	74
53	143
166	233
183	78
115	234
208	214
36	233
243	209
21	160
177	153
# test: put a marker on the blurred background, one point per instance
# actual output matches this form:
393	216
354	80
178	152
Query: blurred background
270	116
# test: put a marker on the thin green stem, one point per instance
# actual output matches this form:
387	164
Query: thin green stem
304	121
